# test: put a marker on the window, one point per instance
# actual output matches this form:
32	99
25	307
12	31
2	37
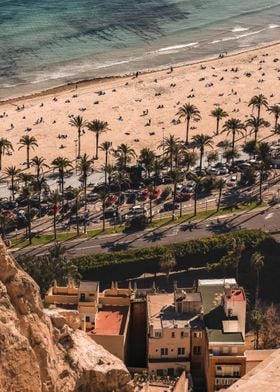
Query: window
158	334
184	334
234	350
160	372
225	350
197	334
87	319
181	351
197	350
173	334
164	351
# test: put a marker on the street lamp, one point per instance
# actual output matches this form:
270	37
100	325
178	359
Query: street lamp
114	215
76	153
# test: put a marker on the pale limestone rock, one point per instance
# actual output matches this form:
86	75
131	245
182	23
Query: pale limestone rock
37	357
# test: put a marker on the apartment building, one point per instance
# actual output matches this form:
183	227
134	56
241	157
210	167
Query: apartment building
168	331
224	314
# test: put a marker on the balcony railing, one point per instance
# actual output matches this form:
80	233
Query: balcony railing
168	359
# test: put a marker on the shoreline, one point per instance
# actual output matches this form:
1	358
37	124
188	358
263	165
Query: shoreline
100	80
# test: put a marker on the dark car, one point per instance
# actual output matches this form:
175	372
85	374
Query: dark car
131	198
110	213
169	206
73	220
122	199
8	204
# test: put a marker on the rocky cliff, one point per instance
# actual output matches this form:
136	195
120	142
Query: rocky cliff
40	352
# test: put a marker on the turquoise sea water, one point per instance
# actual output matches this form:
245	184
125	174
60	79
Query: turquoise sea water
45	43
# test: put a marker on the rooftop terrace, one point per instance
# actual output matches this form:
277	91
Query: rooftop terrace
111	320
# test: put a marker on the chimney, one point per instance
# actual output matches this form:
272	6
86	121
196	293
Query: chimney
154	286
129	286
112	285
116	284
175	286
135	285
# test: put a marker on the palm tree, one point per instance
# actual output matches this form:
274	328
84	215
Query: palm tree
12	172
55	199
257	263
257	102
257	320
26	193
5	147
62	165
103	196
189	112
124	154
106	147
40	184
255	124
275	110
111	169
97	127
77	192
230	155
219	185
198	180
26	178
212	157
39	164
167	263
169	146
201	141
147	158
28	142
250	148
79	123
177	177
263	154
234	127
86	168
189	159
219	113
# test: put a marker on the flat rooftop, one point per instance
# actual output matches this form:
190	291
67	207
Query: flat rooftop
162	313
88	286
211	292
111	320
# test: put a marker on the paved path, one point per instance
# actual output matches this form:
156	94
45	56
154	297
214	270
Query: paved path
267	219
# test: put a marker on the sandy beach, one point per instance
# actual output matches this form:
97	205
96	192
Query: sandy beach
229	82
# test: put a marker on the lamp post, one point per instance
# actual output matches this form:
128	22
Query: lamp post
76	153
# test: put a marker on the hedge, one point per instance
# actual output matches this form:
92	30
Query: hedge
193	253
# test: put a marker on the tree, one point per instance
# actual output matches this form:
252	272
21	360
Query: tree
250	148
270	327
263	154
55	199
5	147
233	256
98	127
77	194
147	159
62	165
189	159
85	168
26	178
230	155
257	320
55	266
201	141
233	127
257	102
12	172
39	164
124	154
257	263
275	110
40	184
103	197
219	185
198	181
256	124
169	146
28	142
167	263
176	176
189	112
106	147
27	193
219	113
79	123
212	157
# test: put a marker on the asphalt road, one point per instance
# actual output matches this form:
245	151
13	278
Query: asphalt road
267	219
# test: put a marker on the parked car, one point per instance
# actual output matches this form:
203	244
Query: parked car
180	197
131	198
81	219
223	170
143	195
138	210
112	199
169	206
156	193
8	204
232	182
212	171
122	199
91	197
110	213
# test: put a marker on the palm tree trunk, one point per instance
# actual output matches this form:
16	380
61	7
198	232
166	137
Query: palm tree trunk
79	143
171	161
275	127
260	186
29	223
13	187
103	216
27	156
96	151
106	164
174	199
200	161
54	223
77	216
1	157
62	189
85	195
195	200
187	131
217	127
256	134
219	199
151	210
257	287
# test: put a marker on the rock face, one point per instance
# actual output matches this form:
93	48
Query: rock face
41	356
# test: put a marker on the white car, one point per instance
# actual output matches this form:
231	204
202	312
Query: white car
138	210
232	182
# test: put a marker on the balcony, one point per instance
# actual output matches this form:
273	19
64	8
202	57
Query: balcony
168	359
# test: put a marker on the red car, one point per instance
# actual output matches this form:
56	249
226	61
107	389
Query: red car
54	209
182	197
143	195
112	199
155	194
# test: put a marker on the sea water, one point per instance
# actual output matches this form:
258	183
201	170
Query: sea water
46	43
